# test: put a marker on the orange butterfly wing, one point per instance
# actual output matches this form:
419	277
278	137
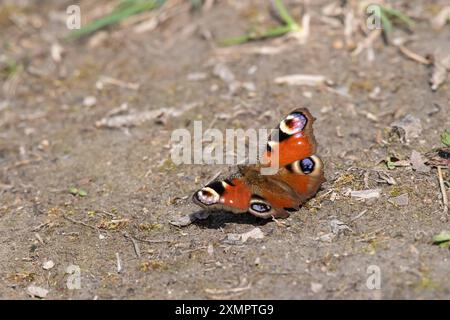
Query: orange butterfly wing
298	178
292	140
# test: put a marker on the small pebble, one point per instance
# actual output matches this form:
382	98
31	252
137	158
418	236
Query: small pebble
47	265
37	292
89	101
401	200
316	287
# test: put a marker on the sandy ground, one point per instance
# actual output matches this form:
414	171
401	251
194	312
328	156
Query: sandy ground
49	143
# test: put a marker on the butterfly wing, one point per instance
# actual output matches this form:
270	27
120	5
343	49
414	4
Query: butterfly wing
301	171
284	192
247	192
304	177
292	139
298	178
232	194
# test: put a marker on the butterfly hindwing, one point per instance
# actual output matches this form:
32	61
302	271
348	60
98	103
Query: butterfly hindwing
293	185
304	177
270	197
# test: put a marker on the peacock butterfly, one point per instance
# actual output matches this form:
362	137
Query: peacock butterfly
298	178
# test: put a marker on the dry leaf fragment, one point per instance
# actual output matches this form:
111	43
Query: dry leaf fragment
386	178
439	74
190	218
366	194
301	80
418	162
338	226
401	200
113	224
234	238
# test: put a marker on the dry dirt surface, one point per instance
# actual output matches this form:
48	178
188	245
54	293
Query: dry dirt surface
77	194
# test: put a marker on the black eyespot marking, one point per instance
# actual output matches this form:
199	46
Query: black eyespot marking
290	209
280	136
444	154
307	165
195	196
217	186
256	197
228	181
290	168
260	207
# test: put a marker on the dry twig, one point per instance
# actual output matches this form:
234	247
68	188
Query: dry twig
135	244
80	222
443	191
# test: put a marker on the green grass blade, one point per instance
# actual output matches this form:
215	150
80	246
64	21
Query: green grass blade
398	14
125	3
387	25
284	15
270	33
125	9
275	32
444	236
236	40
290	25
445	138
196	4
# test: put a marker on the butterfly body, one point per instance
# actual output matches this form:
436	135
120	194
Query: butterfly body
297	179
